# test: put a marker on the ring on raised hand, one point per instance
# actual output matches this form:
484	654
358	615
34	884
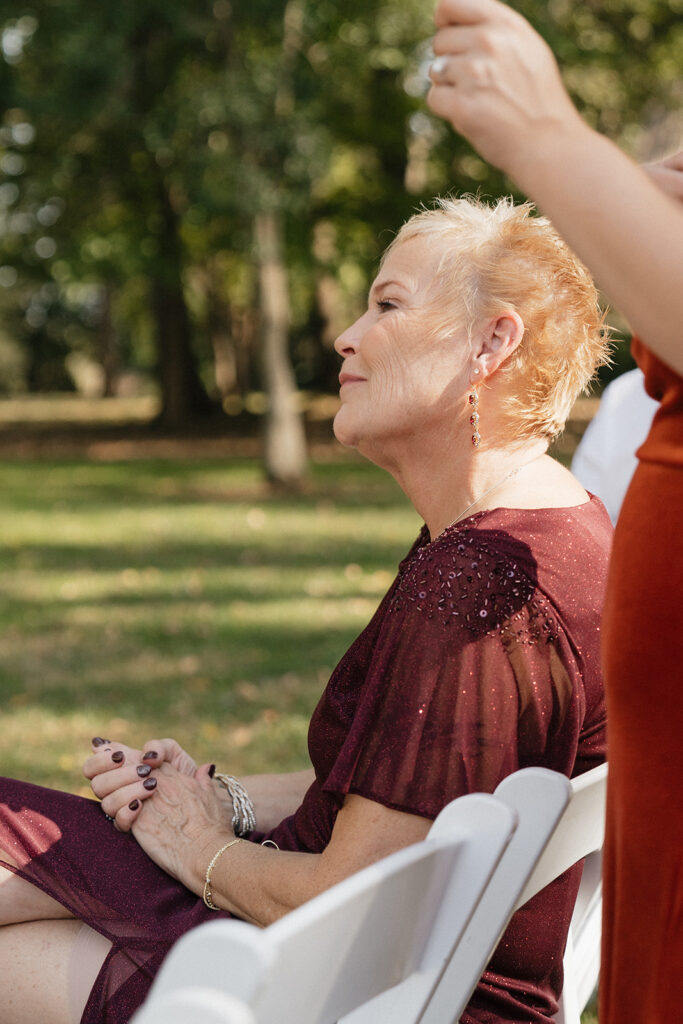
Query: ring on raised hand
438	68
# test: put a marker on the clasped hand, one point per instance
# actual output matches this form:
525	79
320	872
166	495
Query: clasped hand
169	804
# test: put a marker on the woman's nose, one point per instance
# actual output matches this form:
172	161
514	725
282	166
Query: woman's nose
347	342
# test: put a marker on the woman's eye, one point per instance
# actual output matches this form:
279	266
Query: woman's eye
384	305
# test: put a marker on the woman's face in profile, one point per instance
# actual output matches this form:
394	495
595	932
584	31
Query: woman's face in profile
400	378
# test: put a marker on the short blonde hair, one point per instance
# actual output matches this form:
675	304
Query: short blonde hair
500	257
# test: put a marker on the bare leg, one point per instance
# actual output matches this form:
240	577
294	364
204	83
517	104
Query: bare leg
48	962
36	972
20	901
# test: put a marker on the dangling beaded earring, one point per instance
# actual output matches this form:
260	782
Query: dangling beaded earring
474	417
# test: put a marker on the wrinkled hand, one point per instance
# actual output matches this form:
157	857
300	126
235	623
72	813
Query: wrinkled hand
184	825
122	777
668	175
497	81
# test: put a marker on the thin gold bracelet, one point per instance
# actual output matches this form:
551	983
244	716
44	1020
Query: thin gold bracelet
208	896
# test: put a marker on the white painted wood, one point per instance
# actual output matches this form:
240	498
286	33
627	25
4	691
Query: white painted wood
195	1005
582	955
539	798
398	919
407	939
559	822
580	831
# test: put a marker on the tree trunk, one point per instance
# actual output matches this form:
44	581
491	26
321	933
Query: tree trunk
221	332
108	345
183	396
285	440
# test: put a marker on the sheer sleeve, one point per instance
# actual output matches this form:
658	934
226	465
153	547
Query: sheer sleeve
469	678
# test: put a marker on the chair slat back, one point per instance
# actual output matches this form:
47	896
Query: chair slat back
195	1005
580	831
539	798
360	937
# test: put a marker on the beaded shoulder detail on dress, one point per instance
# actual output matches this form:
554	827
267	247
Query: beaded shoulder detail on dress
465	578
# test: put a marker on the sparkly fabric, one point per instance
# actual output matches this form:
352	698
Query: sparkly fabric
642	955
482	658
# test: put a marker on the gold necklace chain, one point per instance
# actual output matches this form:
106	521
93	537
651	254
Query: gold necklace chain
498	483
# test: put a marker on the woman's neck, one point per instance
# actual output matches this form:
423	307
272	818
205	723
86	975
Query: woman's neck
444	490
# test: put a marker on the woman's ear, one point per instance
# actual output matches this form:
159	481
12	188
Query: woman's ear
497	341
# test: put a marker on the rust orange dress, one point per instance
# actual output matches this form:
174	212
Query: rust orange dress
641	980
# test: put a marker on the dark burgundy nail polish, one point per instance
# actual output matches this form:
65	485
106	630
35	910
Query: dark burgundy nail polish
118	756
133	805
212	771
143	770
97	741
150	783
151	755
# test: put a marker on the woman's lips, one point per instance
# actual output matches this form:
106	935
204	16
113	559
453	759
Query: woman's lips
349	378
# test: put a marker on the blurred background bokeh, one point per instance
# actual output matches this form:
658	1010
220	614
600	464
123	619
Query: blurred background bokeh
193	196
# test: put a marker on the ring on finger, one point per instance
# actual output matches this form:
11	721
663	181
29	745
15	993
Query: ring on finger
438	69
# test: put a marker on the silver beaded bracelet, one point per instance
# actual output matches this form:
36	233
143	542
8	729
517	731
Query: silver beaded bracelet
243	816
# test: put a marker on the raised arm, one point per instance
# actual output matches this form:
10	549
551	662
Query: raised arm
498	84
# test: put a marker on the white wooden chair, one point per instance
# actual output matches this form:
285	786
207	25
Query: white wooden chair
539	799
581	833
531	861
286	973
199	1005
397	919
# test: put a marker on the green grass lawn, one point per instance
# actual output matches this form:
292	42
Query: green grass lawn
149	598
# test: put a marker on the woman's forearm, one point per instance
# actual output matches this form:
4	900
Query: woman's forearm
260	884
498	83
276	796
628	232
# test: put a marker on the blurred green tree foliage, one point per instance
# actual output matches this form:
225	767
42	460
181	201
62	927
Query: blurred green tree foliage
201	191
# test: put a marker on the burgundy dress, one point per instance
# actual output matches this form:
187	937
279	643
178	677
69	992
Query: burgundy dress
482	658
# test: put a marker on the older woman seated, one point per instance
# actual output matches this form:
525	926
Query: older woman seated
481	330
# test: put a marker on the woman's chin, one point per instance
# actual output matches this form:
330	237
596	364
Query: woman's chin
344	431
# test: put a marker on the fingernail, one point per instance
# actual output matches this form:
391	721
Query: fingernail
118	756
97	741
143	770
439	65
151	755
133	805
150	783
212	769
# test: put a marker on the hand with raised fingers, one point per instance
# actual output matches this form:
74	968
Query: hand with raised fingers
497	81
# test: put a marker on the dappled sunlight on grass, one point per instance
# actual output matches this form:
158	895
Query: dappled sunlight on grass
179	598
